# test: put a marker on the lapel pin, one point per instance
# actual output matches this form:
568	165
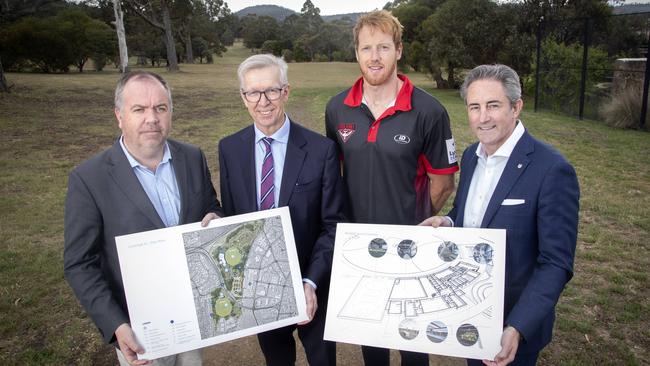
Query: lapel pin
519	166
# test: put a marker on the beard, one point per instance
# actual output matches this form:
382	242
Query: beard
377	79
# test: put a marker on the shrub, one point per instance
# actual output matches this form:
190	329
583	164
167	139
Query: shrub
624	109
338	56
287	55
561	70
272	46
320	58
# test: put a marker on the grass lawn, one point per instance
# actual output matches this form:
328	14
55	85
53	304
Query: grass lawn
51	123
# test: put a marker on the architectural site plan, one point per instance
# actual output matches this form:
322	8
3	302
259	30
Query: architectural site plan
189	287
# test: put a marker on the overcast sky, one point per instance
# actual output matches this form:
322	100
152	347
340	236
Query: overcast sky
327	7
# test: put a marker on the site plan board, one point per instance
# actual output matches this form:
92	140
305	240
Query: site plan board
418	288
189	287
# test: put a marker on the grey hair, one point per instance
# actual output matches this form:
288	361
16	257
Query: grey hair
139	75
262	61
501	73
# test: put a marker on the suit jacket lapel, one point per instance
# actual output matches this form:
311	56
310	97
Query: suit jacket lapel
467	172
179	163
516	165
292	164
122	173
247	153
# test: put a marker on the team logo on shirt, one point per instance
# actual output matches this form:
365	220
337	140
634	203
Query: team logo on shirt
346	130
401	139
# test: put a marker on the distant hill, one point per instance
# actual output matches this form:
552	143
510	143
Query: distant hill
631	8
330	18
279	13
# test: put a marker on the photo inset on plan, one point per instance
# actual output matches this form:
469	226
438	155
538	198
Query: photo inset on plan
448	251
437	331
408	329
407	249
483	253
467	335
377	247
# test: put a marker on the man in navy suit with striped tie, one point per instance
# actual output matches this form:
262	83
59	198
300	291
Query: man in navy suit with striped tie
276	162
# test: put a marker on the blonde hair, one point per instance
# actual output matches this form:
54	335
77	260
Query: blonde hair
382	20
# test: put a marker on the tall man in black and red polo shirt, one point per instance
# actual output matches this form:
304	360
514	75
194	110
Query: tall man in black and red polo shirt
395	142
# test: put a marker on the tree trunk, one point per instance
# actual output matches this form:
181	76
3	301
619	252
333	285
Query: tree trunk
451	78
3	82
80	64
189	54
121	36
165	26
436	73
169	38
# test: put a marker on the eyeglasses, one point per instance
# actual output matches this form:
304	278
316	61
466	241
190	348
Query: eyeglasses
271	94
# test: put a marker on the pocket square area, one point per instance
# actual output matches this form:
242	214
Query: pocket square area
513	201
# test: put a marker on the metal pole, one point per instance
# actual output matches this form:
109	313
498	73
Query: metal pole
539	52
644	101
585	58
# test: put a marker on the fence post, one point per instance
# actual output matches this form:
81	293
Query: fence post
646	80
539	52
585	58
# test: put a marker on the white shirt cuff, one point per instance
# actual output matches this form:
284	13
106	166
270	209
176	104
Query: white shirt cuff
450	221
310	282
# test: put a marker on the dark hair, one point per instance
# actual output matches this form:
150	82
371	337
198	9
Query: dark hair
501	73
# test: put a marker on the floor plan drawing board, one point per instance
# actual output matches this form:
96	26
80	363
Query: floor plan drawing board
420	289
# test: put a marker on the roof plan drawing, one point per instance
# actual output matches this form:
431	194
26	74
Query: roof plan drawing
189	287
418	288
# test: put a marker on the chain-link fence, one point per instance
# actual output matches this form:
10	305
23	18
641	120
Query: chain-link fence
594	68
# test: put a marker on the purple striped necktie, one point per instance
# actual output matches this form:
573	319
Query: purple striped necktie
267	188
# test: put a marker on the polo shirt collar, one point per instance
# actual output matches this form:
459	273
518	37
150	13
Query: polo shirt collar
402	102
281	135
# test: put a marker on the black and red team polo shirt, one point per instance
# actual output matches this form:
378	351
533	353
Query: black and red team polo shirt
385	161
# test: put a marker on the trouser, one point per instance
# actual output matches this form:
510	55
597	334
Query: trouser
373	356
279	346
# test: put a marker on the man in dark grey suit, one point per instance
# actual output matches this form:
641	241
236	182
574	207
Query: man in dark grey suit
143	182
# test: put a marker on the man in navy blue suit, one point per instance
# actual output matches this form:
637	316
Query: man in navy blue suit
510	180
276	162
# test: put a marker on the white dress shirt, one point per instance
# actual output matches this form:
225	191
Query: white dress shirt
486	177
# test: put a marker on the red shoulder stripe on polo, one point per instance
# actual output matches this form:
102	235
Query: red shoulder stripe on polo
431	170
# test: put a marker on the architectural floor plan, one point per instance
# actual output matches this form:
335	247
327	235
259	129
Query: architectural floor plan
418	288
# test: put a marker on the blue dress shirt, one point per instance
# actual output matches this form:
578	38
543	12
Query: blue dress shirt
161	186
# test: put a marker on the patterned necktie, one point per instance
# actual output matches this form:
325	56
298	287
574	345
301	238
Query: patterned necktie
267	188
